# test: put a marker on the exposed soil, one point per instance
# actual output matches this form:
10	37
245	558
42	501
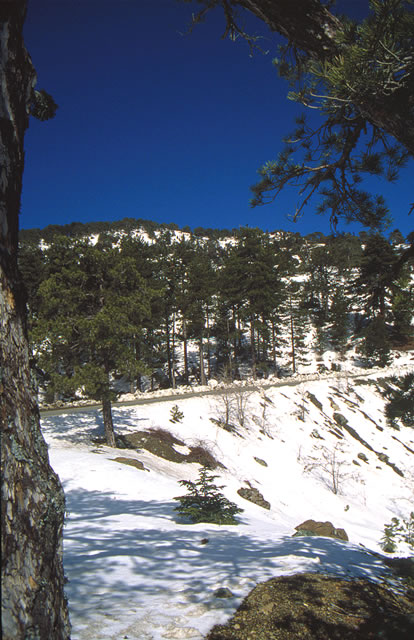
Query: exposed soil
162	443
320	607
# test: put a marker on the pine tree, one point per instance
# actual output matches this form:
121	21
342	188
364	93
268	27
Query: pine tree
376	274
358	77
376	343
92	314
205	502
338	317
400	401
33	504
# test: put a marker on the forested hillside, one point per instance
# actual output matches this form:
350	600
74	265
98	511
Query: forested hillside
161	307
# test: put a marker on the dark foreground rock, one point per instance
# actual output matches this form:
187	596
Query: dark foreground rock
320	607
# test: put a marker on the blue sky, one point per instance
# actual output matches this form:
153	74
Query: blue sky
158	125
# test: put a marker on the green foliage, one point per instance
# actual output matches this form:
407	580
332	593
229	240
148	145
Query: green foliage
176	414
43	107
376	343
396	532
376	273
401	401
370	65
91	309
205	502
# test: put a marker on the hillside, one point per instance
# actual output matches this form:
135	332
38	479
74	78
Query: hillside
158	307
318	450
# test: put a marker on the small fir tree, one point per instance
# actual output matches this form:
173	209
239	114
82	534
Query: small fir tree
176	414
205	502
396	532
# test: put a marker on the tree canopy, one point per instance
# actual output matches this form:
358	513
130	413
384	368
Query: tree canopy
359	78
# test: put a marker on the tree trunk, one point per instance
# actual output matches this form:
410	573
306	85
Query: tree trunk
108	423
33	505
253	349
185	347
203	380
292	336
208	343
274	345
173	353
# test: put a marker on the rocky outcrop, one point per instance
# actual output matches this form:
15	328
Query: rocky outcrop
315	528
131	462
253	495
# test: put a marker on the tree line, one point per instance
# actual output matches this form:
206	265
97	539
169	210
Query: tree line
119	306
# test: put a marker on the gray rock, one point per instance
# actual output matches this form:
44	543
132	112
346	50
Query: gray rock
253	495
223	592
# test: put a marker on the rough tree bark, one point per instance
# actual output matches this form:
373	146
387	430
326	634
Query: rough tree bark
33	601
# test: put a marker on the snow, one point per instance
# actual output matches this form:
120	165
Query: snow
136	571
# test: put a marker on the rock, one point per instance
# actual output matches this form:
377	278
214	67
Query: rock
315	434
319	606
326	529
314	400
260	461
253	495
131	462
223	592
340	419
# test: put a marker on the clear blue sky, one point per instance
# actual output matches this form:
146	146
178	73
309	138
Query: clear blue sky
156	125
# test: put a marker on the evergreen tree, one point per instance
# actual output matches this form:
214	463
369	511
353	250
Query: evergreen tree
205	502
360	79
376	274
92	313
338	317
33	503
400	401
201	289
376	343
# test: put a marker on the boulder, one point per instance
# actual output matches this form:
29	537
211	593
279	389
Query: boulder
223	592
253	495
326	529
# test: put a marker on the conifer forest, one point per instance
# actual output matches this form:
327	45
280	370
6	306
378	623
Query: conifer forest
160	307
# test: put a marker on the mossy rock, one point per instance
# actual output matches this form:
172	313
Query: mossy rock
340	419
317	606
314	400
131	462
157	441
325	529
161	443
253	495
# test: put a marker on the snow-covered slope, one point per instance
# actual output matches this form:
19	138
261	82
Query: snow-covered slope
136	571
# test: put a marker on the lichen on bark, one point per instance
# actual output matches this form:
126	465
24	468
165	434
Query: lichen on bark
33	600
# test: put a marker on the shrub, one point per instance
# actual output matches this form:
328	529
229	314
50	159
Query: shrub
176	414
397	532
205	502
